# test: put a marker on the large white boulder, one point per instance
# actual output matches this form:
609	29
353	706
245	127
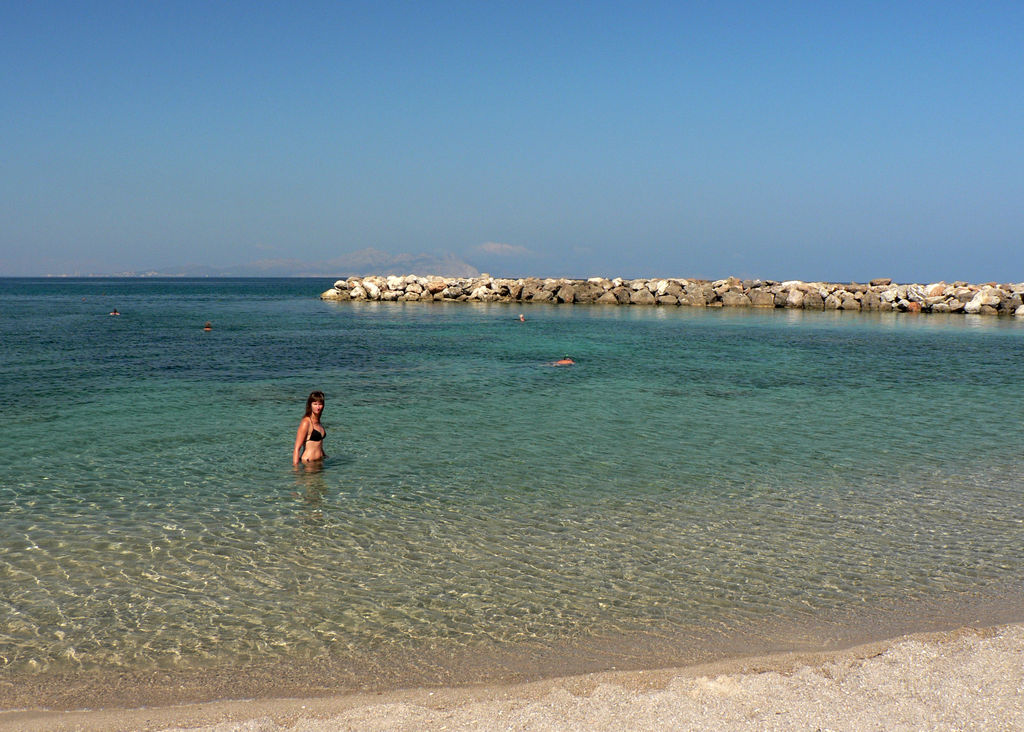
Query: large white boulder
990	296
483	293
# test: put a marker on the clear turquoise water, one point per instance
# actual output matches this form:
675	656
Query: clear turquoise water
697	474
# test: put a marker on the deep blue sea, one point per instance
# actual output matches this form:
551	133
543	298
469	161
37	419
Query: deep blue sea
700	483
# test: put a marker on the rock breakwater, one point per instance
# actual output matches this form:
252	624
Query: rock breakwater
877	295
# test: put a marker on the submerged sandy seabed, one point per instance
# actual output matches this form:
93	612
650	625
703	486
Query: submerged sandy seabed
964	679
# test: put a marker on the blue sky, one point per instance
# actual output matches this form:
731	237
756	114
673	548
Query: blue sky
816	140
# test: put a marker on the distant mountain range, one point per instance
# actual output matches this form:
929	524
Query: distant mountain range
362	262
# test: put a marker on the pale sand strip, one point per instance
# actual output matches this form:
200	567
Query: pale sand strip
963	680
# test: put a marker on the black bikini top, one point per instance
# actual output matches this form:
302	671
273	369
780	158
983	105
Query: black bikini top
315	436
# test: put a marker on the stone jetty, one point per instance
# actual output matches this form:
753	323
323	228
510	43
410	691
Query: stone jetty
877	295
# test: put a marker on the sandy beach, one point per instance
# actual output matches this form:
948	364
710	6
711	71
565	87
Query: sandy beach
965	679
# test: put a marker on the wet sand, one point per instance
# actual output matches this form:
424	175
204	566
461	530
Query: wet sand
964	679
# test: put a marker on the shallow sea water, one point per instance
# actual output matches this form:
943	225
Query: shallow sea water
698	477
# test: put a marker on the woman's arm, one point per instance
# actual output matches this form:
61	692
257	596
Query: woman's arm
300	439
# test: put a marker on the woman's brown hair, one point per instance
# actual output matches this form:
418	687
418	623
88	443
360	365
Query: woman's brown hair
314	396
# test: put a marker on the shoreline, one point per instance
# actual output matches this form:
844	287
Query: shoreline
880	294
437	666
935	680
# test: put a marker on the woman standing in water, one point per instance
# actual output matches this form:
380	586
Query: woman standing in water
310	436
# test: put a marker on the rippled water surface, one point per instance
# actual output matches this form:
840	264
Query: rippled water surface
695	474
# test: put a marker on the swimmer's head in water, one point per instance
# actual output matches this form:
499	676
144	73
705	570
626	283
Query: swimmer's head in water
316	397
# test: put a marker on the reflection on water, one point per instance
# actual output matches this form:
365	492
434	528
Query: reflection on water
311	488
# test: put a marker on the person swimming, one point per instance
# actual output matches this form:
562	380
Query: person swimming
564	361
114	312
310	435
